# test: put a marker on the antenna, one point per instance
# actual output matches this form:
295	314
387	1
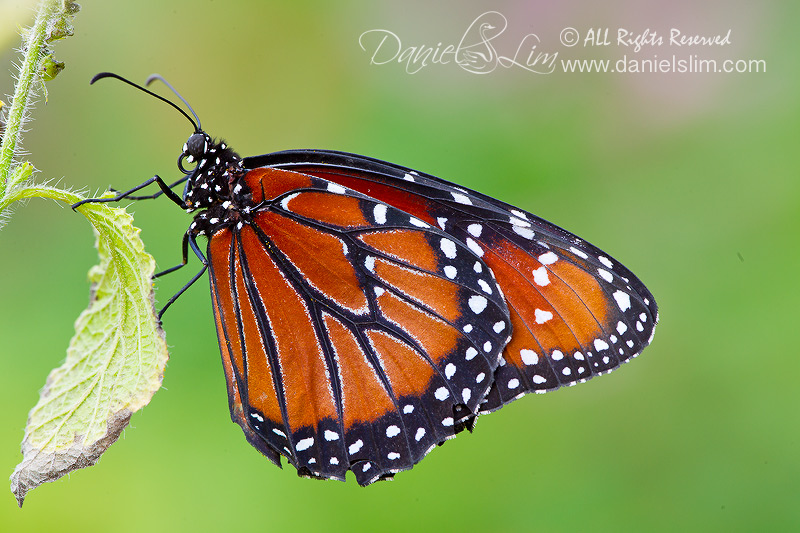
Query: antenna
158	77
196	124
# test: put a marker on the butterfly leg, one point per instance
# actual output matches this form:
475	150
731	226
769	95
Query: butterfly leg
152	196
157	179
188	240
184	258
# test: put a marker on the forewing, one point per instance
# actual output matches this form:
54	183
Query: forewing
575	311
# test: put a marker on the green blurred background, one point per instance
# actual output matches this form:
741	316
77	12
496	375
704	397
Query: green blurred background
690	179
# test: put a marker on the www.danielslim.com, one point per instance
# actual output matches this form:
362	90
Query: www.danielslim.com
690	63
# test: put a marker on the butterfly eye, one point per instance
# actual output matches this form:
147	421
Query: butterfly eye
196	145
194	150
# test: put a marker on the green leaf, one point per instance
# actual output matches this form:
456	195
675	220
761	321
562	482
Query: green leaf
49	68
115	362
60	25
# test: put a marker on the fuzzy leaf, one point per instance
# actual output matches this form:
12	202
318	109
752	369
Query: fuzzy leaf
60	26
115	362
50	68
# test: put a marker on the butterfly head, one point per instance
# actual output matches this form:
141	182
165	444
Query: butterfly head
196	149
197	145
217	167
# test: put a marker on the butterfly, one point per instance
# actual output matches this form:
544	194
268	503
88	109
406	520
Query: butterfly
366	312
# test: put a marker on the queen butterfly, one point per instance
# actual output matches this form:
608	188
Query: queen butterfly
367	312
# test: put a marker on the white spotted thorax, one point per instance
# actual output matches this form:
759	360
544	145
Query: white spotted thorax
215	185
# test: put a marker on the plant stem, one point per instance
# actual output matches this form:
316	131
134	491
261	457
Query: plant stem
28	73
41	191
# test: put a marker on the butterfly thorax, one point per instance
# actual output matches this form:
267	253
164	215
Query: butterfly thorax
215	186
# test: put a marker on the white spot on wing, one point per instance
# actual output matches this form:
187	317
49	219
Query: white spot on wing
548	258
475	247
379	211
525	233
304	444
466	394
540	276
485	286
542	316
518	222
336	188
529	357
449	248
477	304
461	198
623	300
355	447
605	274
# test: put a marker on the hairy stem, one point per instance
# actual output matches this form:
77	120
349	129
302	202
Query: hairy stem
28	73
